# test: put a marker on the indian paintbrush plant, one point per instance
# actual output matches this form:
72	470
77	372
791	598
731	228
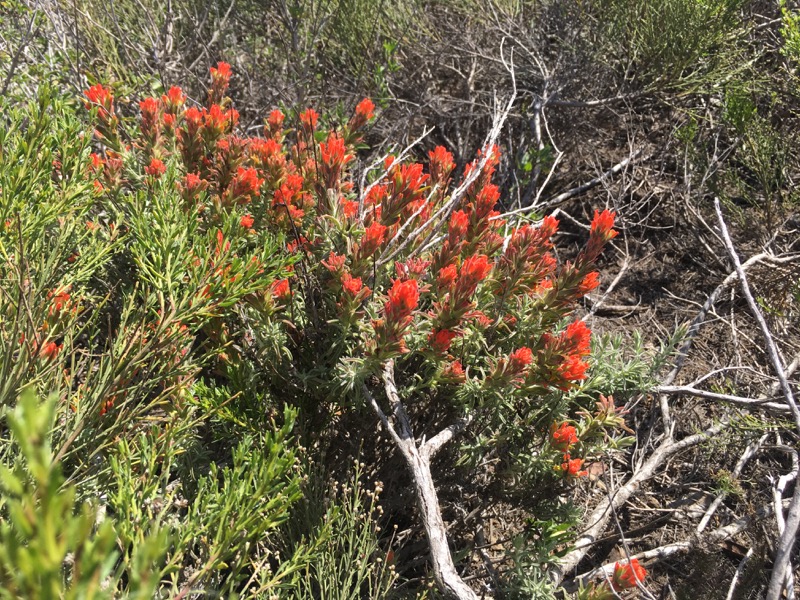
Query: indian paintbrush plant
190	253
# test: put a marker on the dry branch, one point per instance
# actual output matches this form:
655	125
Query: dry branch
714	537
782	566
602	513
418	460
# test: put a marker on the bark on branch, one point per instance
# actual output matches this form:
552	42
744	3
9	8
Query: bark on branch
418	460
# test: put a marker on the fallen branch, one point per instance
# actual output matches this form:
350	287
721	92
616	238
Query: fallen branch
714	537
779	577
564	196
699	321
602	513
765	403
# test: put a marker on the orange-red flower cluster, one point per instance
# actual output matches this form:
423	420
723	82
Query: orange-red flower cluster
527	260
628	574
441	339
155	169
220	80
50	350
563	437
281	291
403	298
363	114
247	221
571	467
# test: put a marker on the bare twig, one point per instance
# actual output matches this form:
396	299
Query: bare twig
738	574
18	54
787	539
602	513
699	321
668	550
563	196
674	390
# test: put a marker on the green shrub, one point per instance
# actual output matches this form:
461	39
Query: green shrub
188	295
688	45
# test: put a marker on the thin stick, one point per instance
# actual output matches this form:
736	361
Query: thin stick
787	539
688	390
749	453
554	201
668	550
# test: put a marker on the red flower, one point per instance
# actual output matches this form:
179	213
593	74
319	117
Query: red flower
372	239
222	71
97	162
376	195
245	184
335	262
446	278
563	437
333	154
50	350
365	109
627	574
459	222
174	98
440	340
520	359
412	267
275	120
589	283
349	208
309	118
602	225
486	199
576	338
149	107
149	125
194	119
218	121
573	369
364	112
246	221
549	226
60	301
220	79
403	299
440	164
454	372
99	95
156	168
473	271
571	467
353	285
281	290
192	186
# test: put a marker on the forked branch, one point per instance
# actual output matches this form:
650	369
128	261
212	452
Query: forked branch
418	460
